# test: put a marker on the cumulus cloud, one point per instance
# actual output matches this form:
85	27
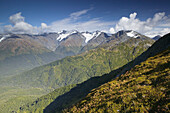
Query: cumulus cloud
16	18
43	28
146	27
43	25
19	26
132	23
112	30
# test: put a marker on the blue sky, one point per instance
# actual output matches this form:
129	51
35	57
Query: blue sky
85	15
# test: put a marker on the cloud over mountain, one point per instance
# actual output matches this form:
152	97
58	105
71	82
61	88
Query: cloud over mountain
158	25
19	25
147	27
16	18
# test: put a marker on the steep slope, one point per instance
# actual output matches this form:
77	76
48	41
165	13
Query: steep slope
18	54
145	88
75	69
72	97
97	39
70	45
103	39
48	40
41	103
15	45
89	35
160	45
125	35
112	57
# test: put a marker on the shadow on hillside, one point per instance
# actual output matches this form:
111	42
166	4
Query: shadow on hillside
78	92
81	90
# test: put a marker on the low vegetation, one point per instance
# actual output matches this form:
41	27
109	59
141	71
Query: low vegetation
145	88
11	98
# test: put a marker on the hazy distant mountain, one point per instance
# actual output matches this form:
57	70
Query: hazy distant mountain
156	37
19	53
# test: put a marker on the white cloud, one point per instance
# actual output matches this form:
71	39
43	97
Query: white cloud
158	25
19	26
91	25
147	27
43	25
77	14
133	15
132	23
1	28
112	30
158	31
16	18
73	23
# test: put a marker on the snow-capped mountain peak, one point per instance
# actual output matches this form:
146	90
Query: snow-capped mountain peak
4	37
64	34
89	35
132	34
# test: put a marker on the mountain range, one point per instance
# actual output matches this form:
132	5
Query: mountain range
21	52
111	53
109	95
62	61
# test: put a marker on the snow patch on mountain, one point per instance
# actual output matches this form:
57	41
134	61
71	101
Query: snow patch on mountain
4	37
132	34
89	35
97	33
65	34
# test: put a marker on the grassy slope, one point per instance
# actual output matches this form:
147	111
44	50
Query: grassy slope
84	88
145	88
41	103
13	97
94	63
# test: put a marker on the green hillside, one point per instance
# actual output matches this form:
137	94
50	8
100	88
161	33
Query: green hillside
145	88
18	54
11	98
72	97
76	69
41	103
